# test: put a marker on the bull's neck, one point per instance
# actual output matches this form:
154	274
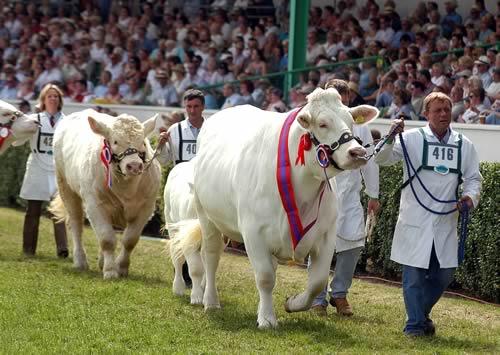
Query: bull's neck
306	186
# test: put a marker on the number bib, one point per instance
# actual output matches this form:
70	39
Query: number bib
188	149
442	158
44	143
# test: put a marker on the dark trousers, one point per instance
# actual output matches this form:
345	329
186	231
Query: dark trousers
30	231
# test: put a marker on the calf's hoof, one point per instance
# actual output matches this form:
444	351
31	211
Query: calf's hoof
265	323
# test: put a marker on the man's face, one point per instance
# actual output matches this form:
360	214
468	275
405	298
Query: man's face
439	115
194	109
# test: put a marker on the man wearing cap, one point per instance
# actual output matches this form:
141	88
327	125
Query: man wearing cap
483	65
163	93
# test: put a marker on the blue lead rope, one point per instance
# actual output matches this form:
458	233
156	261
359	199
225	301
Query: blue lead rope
464	213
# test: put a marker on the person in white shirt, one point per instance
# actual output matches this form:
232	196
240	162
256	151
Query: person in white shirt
39	183
426	243
49	75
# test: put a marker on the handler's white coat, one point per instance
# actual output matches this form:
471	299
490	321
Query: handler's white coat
39	181
417	229
236	192
350	219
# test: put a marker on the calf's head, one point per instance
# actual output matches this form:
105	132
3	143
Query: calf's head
329	124
15	125
126	137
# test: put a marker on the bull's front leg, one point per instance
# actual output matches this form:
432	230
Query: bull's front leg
321	258
131	237
101	223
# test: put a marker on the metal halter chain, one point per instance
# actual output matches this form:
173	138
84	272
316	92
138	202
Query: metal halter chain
129	151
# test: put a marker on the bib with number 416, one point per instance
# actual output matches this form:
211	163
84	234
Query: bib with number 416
442	158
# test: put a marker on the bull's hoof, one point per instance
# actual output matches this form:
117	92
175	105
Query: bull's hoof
110	275
197	301
267	323
212	307
123	272
81	266
287	307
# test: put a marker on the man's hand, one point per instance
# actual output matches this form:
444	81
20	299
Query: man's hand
164	137
398	125
465	200
373	206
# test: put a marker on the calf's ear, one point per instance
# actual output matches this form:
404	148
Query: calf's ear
304	118
150	124
363	114
98	126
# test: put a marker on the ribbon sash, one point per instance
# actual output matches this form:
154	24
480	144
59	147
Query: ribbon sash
285	187
106	160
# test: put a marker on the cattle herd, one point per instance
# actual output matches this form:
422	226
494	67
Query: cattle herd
245	183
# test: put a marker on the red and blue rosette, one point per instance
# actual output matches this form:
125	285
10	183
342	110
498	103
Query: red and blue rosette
323	159
4	134
106	160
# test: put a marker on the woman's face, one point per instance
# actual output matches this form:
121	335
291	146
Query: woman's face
52	101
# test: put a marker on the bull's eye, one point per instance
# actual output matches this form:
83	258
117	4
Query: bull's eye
323	125
115	142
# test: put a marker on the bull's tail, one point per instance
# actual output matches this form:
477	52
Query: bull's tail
185	238
57	209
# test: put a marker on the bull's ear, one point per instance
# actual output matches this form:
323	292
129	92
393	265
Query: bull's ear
363	114
150	124
304	119
98	126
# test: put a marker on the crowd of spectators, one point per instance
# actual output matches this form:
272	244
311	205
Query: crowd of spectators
150	52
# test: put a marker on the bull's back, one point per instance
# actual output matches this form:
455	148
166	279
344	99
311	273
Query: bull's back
235	166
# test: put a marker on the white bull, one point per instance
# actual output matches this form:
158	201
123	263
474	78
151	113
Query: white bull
240	192
180	211
15	126
80	159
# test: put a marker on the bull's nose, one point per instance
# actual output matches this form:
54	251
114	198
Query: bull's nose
357	152
135	167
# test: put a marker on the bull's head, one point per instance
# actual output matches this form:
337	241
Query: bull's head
329	124
15	126
126	137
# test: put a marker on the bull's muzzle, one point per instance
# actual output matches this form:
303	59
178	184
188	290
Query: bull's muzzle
135	168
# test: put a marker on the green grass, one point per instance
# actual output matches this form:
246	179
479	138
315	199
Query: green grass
47	307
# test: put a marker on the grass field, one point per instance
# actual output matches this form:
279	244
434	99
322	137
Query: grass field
48	308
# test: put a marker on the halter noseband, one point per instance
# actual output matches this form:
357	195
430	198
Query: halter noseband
330	149
129	151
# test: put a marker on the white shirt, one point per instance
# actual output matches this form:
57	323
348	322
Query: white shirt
174	150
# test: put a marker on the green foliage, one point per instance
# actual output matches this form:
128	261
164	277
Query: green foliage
480	271
12	174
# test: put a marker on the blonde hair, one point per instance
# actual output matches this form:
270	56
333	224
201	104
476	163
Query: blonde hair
40	106
435	96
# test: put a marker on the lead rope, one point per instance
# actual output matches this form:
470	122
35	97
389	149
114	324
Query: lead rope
155	155
464	212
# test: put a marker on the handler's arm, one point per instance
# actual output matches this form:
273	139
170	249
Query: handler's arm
165	155
391	152
472	178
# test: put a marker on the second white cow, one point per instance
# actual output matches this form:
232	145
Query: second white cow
103	170
15	126
260	177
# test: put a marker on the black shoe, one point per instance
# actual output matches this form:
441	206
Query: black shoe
62	254
185	276
429	329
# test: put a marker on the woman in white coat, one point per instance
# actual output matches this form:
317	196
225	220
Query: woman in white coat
39	182
425	243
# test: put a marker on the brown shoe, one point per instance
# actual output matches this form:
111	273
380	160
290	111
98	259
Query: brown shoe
343	307
319	310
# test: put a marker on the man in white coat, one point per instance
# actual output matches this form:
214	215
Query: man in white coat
425	242
350	219
180	139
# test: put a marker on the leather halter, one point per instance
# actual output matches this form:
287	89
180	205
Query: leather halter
330	149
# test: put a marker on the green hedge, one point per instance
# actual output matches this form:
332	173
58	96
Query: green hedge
479	274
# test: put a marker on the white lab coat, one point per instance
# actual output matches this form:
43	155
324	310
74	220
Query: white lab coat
350	218
173	149
39	179
417	229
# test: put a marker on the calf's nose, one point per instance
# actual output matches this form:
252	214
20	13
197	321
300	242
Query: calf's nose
357	152
135	167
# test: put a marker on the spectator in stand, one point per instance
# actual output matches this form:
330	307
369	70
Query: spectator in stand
404	31
452	19
135	95
368	79
493	91
26	89
314	48
482	66
437	74
384	96
474	17
163	93
246	90
179	79
49	75
424	77
493	115
194	78
257	64
9	90
417	97
101	90
276	103
115	63
81	94
402	101
232	97
472	114
457	99
355	99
